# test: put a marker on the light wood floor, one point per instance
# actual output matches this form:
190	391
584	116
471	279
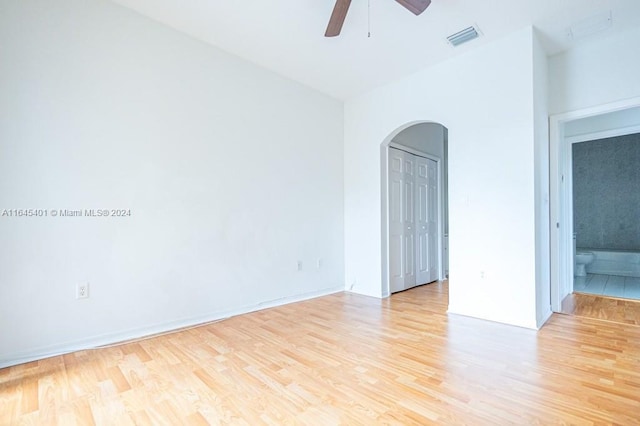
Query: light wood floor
343	359
606	308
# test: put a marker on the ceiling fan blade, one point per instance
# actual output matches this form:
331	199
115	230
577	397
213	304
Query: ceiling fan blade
415	6
337	18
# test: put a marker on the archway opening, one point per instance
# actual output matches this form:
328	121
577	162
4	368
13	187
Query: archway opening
414	207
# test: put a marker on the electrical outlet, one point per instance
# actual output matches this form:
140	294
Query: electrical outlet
299	265
82	291
319	263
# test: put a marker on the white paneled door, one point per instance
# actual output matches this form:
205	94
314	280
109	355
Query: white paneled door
396	221
413	220
409	220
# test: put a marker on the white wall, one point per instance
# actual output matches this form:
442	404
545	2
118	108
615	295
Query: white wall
486	100
602	71
541	153
232	175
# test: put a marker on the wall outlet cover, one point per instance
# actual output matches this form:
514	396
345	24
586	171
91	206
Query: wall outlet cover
82	291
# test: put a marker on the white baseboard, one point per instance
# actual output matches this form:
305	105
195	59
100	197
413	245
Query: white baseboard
138	333
484	316
545	317
356	290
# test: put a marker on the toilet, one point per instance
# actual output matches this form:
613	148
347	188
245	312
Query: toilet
583	258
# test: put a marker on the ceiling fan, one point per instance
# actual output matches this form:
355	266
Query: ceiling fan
342	6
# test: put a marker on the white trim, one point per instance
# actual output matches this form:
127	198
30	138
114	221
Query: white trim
149	331
545	317
611	133
561	200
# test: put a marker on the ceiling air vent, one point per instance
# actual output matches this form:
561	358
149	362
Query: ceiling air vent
463	36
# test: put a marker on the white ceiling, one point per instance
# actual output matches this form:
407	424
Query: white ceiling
287	36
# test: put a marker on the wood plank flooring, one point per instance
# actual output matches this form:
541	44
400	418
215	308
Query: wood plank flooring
606	308
343	359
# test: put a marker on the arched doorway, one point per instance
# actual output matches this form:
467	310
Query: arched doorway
422	149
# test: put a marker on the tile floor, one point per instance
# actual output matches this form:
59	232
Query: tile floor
608	285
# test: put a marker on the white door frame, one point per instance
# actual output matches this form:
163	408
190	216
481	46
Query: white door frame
561	202
385	210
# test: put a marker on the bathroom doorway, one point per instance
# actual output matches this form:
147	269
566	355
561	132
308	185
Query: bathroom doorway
609	128
606	208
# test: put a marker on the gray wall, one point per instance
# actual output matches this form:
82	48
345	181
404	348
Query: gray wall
606	193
